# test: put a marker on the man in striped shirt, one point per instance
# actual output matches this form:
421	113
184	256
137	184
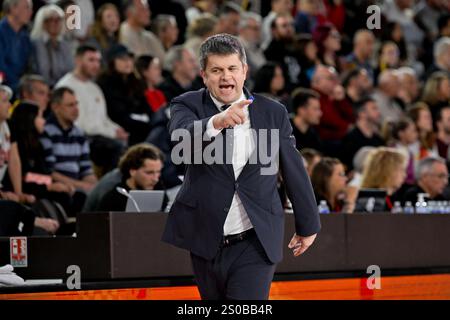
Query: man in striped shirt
65	145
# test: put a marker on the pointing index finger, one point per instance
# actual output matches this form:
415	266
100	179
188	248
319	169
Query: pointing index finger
246	102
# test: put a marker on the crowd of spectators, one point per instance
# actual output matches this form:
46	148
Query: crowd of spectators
73	101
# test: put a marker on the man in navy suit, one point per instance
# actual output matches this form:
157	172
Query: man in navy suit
228	213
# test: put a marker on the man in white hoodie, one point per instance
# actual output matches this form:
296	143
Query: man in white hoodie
106	137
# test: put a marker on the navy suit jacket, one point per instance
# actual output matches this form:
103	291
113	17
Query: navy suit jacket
197	216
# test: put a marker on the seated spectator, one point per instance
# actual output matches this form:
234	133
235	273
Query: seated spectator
200	7
52	56
364	133
124	94
427	13
141	169
105	32
436	93
308	16
421	115
278	7
337	113
307	58
71	36
133	34
400	11
174	8
149	70
106	138
357	85
388	58
229	17
14	59
198	30
403	136
329	183
66	147
34	89
386	96
363	50
359	163
392	31
269	81
385	169
27	124
311	157
409	86
307	113
443	132
441	55
250	36
328	41
166	30
9	155
282	49
183	70
432	178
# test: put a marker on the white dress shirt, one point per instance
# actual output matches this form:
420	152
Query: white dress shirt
237	219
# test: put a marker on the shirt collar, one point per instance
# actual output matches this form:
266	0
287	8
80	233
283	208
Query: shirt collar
219	104
53	120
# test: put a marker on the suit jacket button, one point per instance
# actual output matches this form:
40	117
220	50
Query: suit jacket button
226	209
236	185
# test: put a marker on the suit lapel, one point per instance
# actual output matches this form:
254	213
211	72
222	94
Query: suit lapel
257	122
210	110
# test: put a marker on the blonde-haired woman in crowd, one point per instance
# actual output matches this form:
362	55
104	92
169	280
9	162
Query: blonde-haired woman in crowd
52	56
436	93
385	169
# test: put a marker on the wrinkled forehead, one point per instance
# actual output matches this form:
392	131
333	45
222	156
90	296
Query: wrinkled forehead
222	60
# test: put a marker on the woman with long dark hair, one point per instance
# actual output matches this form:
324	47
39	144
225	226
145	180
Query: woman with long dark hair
269	81
329	182
124	93
27	124
149	72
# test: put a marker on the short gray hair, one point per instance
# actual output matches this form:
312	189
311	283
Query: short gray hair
26	83
175	54
162	21
247	16
221	44
8	4
403	71
440	46
425	166
7	90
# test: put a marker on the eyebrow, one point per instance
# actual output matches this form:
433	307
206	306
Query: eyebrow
221	68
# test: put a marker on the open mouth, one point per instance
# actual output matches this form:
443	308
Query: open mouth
226	87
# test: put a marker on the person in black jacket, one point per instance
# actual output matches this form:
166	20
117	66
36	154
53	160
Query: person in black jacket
124	94
141	169
27	124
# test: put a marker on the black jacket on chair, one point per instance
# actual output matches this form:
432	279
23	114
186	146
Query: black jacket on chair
198	214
